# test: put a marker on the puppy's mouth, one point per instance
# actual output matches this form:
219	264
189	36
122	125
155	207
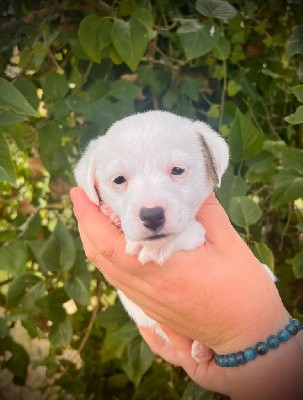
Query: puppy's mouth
155	237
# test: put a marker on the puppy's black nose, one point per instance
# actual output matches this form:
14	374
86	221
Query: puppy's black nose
153	218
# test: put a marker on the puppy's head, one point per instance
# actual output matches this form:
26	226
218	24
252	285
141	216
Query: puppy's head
154	169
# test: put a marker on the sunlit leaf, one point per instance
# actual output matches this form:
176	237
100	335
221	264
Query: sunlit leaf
264	254
198	39
7	167
13	258
216	8
243	211
245	139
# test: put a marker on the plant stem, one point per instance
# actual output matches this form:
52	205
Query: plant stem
223	93
92	318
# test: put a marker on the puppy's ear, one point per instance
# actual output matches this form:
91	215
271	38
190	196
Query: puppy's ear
215	151
85	172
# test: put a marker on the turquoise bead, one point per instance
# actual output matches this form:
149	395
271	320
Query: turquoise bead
232	360
240	358
273	342
291	329
261	348
225	361
296	323
250	354
218	360
283	335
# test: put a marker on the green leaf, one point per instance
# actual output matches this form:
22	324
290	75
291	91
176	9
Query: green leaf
222	49
298	92
294	44
191	87
231	186
288	186
233	88
55	86
198	39
13	102
194	391
29	91
296	118
78	284
124	90
276	147
170	99
51	151
4	328
243	211
95	35
116	342
261	167
79	104
131	39
297	265
51	305
245	140
127	332
113	317
156	80
7	167
293	159
77	287
264	254
216	8
112	347
61	334
14	258
137	359
103	113
19	361
59	251
21	286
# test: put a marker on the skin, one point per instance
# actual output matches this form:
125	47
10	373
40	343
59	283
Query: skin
231	303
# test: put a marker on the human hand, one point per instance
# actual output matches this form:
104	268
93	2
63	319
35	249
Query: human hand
212	294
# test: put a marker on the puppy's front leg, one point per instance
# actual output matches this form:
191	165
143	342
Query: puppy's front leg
132	248
192	237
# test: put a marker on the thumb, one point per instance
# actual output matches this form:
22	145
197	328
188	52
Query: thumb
216	222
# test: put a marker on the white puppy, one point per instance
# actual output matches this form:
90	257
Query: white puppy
154	170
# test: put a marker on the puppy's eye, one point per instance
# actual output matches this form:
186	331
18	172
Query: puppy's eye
119	180
177	171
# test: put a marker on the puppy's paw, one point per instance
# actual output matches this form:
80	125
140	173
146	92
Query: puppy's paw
200	352
132	248
192	237
145	255
158	255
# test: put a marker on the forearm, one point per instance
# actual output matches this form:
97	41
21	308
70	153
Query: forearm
277	375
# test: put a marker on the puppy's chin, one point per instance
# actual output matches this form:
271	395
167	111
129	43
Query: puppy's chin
156	237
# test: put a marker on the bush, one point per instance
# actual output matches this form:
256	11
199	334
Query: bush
69	70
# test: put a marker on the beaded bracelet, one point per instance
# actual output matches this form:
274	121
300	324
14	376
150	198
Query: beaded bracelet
261	348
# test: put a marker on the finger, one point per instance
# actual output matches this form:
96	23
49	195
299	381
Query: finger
108	240
206	373
158	346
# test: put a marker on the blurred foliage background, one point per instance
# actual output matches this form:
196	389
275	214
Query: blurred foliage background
69	69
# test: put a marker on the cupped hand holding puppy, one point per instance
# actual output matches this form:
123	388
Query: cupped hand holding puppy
218	294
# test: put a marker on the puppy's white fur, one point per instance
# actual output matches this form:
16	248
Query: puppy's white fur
144	148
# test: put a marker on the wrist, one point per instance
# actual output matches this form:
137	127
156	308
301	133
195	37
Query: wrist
276	375
259	314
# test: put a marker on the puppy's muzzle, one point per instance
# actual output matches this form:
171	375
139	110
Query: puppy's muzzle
153	218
